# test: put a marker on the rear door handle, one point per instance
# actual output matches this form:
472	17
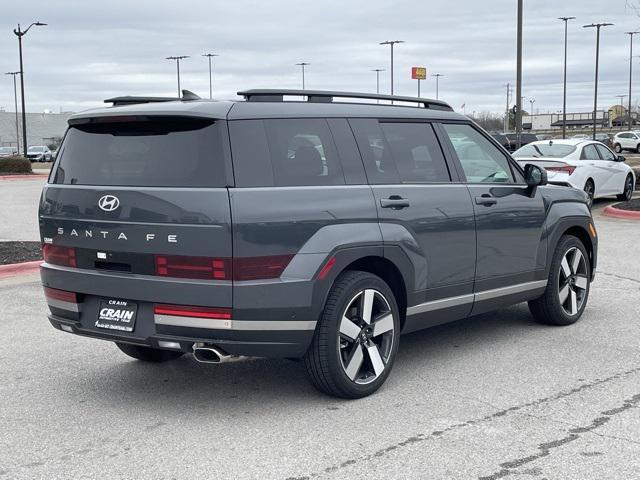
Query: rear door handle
486	200
395	202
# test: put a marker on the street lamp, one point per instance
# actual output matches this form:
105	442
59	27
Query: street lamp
519	97
209	55
437	75
15	99
302	65
391	43
177	59
631	34
597	26
21	33
564	90
378	70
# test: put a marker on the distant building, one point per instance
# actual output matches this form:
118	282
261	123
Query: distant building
42	128
616	116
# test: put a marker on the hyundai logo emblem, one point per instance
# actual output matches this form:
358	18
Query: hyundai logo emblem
108	203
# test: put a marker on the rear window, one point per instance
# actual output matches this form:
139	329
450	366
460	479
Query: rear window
538	150
142	151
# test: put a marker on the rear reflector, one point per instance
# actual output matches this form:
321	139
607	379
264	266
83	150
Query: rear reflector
199	312
57	255
244	268
61	295
564	169
325	270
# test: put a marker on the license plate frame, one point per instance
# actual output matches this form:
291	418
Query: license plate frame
117	314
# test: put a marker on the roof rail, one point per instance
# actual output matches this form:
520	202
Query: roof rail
327	96
131	100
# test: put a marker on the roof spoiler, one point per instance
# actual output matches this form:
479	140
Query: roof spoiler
131	100
327	96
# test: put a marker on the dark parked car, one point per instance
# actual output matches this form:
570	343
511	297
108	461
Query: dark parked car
312	229
502	140
525	138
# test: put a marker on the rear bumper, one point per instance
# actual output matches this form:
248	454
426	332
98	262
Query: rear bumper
268	327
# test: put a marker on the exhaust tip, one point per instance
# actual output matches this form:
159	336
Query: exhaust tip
207	354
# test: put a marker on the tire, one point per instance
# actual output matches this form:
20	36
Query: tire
627	193
553	307
617	148
148	354
347	357
590	190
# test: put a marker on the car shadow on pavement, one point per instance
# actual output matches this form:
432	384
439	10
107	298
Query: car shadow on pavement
242	386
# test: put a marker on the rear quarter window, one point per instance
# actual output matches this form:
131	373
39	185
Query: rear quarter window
143	151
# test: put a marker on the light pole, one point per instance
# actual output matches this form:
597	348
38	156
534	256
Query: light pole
518	118
209	55
437	75
15	99
597	26
631	34
177	59
564	90
21	33
532	101
302	65
621	97
378	70
391	43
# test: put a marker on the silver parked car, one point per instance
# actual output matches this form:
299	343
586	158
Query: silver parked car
39	154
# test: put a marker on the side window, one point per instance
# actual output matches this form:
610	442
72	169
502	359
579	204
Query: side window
416	152
481	160
287	152
589	152
376	153
605	153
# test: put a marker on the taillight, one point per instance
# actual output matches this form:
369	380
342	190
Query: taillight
57	255
193	267
186	311
260	268
564	169
62	295
242	268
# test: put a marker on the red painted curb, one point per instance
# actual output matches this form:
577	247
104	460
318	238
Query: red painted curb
611	211
24	177
14	269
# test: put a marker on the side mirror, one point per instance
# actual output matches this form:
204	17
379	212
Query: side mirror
535	176
620	158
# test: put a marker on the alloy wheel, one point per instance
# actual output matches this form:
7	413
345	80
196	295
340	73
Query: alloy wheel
366	335
573	281
628	188
589	189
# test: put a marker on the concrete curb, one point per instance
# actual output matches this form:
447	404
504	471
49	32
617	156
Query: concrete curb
611	211
34	176
15	269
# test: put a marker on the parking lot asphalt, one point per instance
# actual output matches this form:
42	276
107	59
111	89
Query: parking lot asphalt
494	396
19	211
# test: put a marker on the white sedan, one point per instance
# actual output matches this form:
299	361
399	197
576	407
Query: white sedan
583	164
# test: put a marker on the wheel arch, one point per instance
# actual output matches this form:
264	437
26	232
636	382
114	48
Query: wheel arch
582	234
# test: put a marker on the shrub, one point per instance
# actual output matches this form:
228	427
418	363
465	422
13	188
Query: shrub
15	165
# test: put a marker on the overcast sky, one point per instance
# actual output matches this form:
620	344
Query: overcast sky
95	50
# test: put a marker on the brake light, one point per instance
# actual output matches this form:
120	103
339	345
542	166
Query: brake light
564	169
243	268
193	267
62	295
260	268
57	255
199	312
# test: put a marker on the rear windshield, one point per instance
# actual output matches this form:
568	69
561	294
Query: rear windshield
142	151
553	150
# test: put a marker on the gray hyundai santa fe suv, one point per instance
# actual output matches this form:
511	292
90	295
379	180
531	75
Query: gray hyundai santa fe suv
310	228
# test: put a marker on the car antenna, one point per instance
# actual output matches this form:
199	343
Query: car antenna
189	95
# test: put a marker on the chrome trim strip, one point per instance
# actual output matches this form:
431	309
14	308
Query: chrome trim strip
511	289
473	297
62	305
440	304
213	324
